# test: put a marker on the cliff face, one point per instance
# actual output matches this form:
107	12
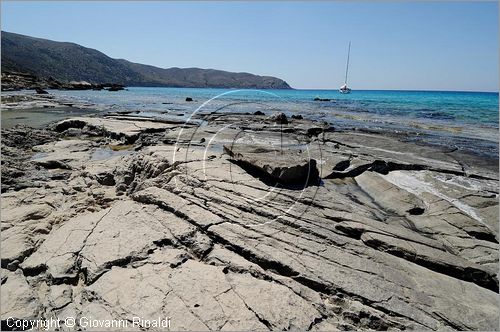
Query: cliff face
71	62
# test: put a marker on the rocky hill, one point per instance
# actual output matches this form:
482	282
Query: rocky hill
67	62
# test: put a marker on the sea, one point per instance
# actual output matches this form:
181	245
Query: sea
456	120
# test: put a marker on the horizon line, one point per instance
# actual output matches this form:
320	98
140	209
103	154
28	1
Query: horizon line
407	90
315	89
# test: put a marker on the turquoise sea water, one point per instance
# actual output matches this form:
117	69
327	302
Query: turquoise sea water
467	120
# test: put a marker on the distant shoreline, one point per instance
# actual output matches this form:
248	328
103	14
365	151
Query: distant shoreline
46	59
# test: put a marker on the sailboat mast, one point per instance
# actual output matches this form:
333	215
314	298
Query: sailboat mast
347	66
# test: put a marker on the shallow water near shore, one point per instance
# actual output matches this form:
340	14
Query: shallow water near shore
39	117
462	120
459	107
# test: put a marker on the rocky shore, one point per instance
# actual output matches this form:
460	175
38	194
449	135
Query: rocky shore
15	81
245	223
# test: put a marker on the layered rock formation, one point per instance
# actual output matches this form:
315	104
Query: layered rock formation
14	81
122	217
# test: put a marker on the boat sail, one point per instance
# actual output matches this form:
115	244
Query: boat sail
344	88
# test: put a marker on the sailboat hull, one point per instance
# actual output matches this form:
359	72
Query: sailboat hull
344	89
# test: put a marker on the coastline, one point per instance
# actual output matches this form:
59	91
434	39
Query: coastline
430	127
238	222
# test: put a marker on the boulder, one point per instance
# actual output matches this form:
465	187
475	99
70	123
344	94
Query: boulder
280	118
53	83
41	91
314	131
115	87
75	85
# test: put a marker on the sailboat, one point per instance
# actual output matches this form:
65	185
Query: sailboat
344	88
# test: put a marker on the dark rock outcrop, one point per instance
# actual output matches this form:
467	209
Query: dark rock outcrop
116	87
41	91
280	118
13	81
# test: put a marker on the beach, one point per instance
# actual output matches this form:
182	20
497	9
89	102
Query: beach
244	213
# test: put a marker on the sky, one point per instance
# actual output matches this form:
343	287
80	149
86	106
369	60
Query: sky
395	45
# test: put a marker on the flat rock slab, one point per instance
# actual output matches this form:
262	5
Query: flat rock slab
383	154
18	299
120	234
287	167
129	129
198	297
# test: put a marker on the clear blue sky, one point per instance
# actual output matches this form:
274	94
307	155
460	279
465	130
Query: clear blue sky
395	45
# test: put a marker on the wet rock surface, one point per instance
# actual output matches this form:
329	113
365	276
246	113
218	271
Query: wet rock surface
119	217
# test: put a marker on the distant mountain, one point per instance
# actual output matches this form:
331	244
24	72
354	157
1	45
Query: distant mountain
71	62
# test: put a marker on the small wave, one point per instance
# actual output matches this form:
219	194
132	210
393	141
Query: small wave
437	116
